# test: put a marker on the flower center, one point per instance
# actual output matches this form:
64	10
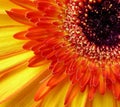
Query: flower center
100	22
93	28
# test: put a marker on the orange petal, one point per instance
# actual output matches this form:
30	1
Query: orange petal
91	93
58	68
29	45
85	79
42	91
102	85
30	4
21	35
73	90
116	90
37	61
19	16
48	7
56	79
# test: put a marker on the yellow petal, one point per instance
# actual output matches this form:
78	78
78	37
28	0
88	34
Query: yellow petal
13	83
56	96
6	5
9	62
105	100
8	44
25	98
80	100
5	20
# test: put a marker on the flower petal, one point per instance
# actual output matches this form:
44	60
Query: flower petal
72	92
6	35
56	97
107	100
80	100
6	4
19	15
9	62
13	81
30	4
26	95
5	20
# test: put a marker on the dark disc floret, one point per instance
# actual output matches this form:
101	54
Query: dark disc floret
102	22
93	28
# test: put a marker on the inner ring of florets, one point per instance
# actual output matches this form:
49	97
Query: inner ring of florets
96	41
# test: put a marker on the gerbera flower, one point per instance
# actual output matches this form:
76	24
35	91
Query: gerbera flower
60	53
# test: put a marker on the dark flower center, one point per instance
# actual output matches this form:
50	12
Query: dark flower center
93	28
101	22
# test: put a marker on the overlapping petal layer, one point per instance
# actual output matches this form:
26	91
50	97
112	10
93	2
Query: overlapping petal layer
41	25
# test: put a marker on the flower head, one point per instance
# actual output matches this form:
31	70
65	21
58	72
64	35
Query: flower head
73	47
